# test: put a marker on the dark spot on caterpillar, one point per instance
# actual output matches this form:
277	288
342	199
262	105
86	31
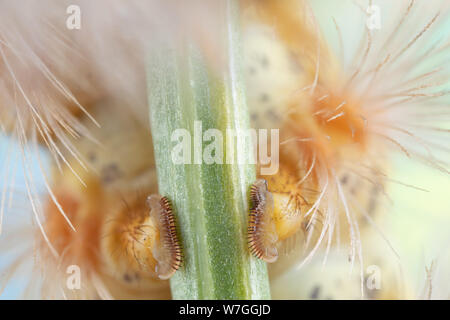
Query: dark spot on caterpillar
251	71
92	157
167	251
264	62
264	97
110	173
344	179
127	277
315	292
261	232
254	116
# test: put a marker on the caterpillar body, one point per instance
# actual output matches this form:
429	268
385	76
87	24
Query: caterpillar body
167	249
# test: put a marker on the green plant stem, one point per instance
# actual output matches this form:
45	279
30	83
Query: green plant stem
210	200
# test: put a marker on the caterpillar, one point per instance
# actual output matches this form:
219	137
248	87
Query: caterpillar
275	215
116	239
150	246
